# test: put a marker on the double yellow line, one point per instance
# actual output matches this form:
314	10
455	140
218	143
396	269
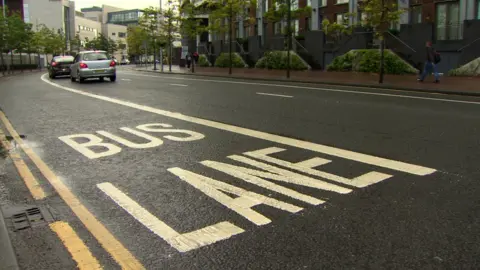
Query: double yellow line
77	248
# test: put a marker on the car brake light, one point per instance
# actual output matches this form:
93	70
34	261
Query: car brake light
54	64
83	65
112	64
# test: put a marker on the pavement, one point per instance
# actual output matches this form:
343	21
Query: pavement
160	171
465	86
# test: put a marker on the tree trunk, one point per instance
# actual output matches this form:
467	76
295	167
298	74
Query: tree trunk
230	40
382	68
38	61
21	62
2	62
30	60
289	37
11	61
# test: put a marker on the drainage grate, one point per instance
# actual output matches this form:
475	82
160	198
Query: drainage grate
27	217
31	218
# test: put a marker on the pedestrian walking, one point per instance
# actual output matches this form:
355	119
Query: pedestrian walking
189	60
432	59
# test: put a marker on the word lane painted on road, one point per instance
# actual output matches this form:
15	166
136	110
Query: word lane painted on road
90	148
259	167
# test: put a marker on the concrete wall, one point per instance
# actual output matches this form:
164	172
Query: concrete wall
94	15
51	14
107	9
112	31
87	28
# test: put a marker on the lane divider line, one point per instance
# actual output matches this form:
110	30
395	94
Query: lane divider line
311	88
177	84
118	252
30	180
77	248
329	150
274	95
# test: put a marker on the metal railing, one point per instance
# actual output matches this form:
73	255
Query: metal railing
296	44
468	45
401	41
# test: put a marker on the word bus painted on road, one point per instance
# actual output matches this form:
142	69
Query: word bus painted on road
95	142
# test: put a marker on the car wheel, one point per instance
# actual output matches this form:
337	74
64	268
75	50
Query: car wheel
113	78
101	79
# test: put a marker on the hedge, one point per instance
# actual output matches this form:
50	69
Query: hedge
470	69
224	60
369	61
278	60
19	67
203	61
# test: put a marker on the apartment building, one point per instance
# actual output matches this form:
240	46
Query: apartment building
14	6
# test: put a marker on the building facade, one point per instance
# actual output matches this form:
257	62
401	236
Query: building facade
125	17
14	6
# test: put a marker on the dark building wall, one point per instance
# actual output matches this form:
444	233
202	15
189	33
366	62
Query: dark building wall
14	6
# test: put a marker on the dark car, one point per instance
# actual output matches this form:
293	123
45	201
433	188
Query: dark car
60	65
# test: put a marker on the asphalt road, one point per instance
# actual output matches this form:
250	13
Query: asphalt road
366	179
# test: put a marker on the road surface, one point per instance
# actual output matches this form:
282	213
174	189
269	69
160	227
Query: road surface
184	172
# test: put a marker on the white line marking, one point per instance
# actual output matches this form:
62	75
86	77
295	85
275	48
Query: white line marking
128	80
176	84
315	88
182	242
275	95
329	150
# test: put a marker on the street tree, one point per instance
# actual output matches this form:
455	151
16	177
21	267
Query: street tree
170	21
190	21
223	17
380	14
76	43
3	39
15	34
150	22
136	36
336	32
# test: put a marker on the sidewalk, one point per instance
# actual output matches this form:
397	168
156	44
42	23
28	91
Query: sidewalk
469	86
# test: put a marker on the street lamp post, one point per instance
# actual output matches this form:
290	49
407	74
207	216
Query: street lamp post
289	37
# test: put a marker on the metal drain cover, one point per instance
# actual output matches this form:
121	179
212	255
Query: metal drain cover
26	217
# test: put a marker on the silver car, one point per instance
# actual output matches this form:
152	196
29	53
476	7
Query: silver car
93	64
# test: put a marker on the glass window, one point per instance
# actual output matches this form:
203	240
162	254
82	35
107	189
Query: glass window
122	35
322	3
97	56
342	1
309	3
294	4
478	10
246	31
416	14
448	21
341	18
237	30
113	34
296	24
308	26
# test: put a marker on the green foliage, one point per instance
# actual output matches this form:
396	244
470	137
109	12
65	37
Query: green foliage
336	31
136	35
102	43
203	61
224	60
189	22
278	11
223	16
278	60
380	15
369	61
470	69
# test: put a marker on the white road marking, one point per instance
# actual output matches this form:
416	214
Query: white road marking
182	242
274	95
93	141
308	166
127	80
329	150
153	141
315	88
242	204
176	84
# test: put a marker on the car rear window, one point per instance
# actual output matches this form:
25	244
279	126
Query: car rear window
98	56
63	59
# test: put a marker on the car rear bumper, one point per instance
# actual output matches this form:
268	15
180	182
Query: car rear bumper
97	73
60	71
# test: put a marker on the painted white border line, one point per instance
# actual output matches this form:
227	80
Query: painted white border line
274	95
176	84
364	158
313	88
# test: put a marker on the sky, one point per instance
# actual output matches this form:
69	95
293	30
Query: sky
127	4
